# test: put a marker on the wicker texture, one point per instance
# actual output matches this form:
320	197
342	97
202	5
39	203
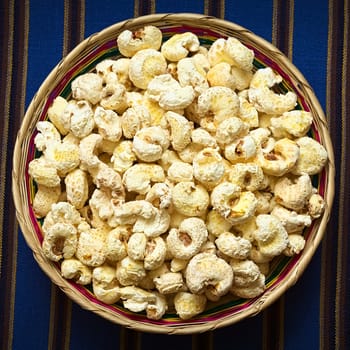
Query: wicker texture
87	54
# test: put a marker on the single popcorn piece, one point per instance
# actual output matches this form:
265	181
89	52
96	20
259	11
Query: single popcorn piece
216	223
56	115
123	156
208	167
145	65
181	129
73	269
316	205
160	195
43	172
60	241
291	124
88	87
291	220
91	249
248	176
150	143
154	226
127	213
134	119
223	74
313	157
44	198
209	274
230	130
148	37
136	299
156	310
116	243
138	178
296	244
65	157
190	74
249	282
281	159
293	193
81	118
180	172
77	188
108	123
187	240
105	284
47	134
264	99
235	205
179	46
271	236
243	150
233	246
169	282
232	51
190	199
114	97
215	105
130	272
188	305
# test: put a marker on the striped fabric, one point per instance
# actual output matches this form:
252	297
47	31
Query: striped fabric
314	314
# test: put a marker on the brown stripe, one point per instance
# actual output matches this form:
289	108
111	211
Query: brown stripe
333	110
342	283
129	339
214	8
144	7
60	320
204	341
273	326
74	24
282	25
14	61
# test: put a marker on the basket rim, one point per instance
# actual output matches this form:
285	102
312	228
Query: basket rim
26	127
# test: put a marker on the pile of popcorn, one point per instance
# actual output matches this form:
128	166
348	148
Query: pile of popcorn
175	174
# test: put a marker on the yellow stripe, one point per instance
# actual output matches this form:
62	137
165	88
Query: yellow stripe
136	9
52	324
340	268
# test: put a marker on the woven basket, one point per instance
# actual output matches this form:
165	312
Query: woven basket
285	271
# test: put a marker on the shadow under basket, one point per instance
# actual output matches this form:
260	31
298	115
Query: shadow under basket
285	271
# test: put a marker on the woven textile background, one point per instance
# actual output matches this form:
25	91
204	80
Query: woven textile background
314	314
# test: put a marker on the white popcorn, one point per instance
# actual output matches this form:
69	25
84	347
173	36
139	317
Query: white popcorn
175	175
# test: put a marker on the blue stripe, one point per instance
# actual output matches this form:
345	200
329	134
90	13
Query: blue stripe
162	6
32	311
99	15
256	18
246	334
310	43
90	331
45	42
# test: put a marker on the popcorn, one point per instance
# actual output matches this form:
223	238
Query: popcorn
175	175
149	37
179	46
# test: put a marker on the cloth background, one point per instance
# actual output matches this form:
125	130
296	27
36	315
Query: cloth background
313	314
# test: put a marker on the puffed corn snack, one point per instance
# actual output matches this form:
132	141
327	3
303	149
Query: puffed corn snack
173	175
